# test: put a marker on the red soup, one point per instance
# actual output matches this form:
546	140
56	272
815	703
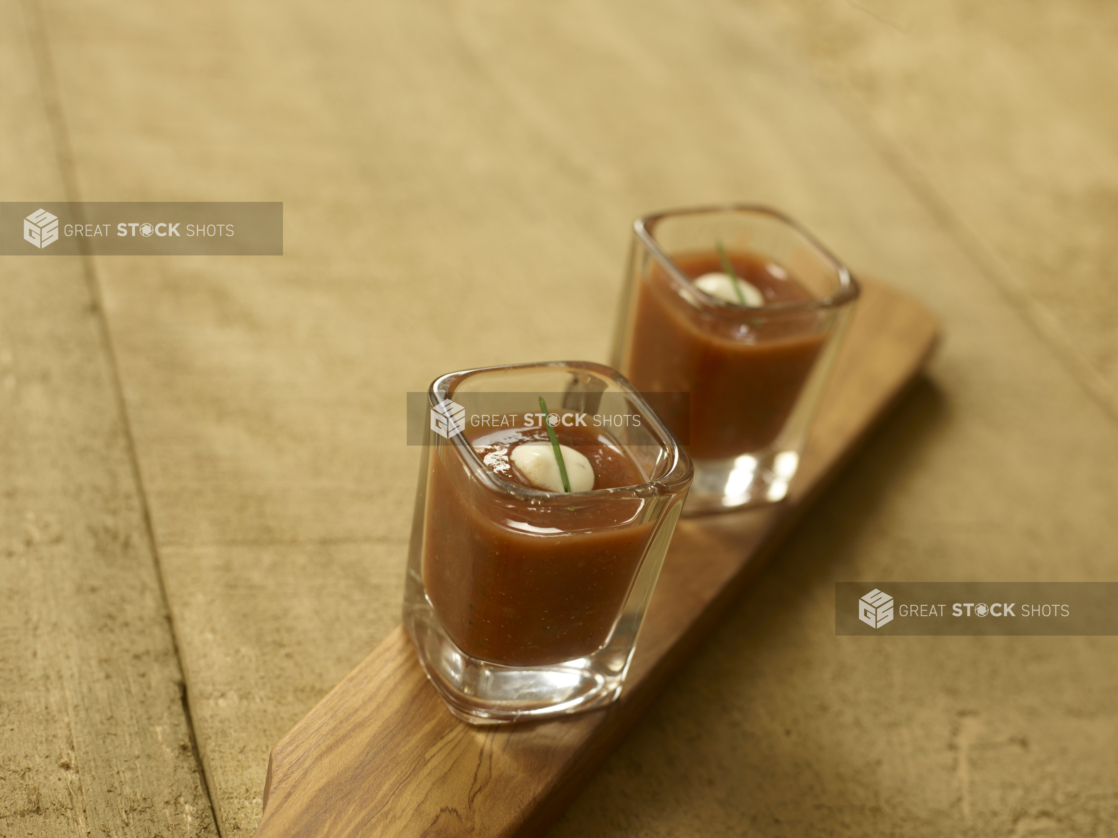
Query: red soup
519	585
743	372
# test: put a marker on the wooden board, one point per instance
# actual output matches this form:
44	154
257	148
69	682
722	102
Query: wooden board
96	736
381	755
526	137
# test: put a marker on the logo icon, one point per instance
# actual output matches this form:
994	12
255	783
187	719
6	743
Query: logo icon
146	230
875	609
40	228
448	419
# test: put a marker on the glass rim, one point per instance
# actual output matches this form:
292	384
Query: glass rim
678	475
848	291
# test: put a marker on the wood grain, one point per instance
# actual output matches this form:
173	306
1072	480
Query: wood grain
1016	143
380	755
95	736
442	165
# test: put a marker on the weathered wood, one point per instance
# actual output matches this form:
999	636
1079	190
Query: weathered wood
1007	123
444	164
381	755
95	738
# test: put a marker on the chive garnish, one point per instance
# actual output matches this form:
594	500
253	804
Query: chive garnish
555	446
728	269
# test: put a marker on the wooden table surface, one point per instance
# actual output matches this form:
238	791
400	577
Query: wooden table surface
204	488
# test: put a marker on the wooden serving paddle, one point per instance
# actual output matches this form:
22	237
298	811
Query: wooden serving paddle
381	756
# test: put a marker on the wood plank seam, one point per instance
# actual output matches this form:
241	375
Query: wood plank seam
52	102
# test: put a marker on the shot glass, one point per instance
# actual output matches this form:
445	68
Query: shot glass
524	603
737	372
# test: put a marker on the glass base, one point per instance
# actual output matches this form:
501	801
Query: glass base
483	693
741	482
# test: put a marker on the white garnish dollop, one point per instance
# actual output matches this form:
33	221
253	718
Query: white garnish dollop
721	285
536	461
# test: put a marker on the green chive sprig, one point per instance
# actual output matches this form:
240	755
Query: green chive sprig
728	269
555	446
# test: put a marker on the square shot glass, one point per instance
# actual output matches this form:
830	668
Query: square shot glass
736	373
521	603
